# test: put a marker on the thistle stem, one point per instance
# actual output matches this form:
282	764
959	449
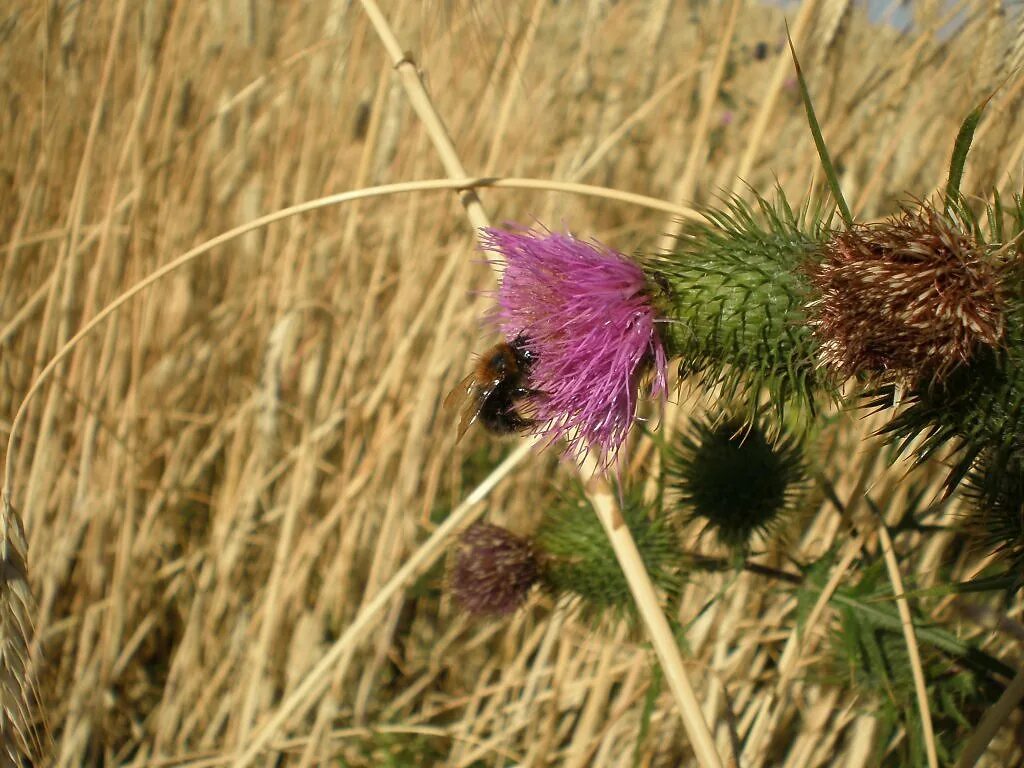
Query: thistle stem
621	539
602	498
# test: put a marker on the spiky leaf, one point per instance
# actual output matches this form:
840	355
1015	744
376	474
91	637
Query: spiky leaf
995	519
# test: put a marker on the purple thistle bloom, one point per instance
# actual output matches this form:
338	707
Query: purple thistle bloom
584	311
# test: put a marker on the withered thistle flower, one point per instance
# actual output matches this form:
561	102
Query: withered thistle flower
494	570
586	315
909	298
734	476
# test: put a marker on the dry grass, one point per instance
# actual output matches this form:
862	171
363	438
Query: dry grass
217	481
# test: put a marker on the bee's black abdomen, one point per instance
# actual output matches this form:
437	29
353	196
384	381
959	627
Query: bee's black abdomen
499	415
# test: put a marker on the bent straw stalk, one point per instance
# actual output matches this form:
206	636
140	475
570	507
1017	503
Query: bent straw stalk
294	210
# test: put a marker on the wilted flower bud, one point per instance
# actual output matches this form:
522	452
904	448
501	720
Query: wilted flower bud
586	315
494	570
912	297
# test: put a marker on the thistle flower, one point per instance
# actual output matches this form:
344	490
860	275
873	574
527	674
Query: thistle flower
586	314
494	570
734	476
912	298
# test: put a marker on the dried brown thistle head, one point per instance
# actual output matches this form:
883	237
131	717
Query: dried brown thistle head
494	570
908	299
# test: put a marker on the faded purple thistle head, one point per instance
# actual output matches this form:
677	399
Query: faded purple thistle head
494	570
910	298
586	315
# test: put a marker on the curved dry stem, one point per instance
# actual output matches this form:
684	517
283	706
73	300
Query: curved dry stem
284	213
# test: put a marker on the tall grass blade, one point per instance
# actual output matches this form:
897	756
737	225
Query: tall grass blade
961	147
819	141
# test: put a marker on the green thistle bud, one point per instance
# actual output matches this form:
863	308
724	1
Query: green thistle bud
494	570
735	292
577	557
735	477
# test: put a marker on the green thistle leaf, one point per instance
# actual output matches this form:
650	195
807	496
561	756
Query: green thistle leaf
961	147
869	653
995	492
819	140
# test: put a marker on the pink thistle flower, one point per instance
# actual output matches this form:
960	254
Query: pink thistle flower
584	312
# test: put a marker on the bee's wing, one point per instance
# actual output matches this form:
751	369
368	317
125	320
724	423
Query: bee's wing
471	395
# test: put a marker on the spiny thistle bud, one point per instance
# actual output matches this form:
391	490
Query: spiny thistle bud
734	303
912	297
585	314
494	570
578	559
733	476
996	516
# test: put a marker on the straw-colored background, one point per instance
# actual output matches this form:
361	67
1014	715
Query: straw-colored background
218	478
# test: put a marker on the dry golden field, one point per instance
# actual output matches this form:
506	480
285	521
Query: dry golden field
218	479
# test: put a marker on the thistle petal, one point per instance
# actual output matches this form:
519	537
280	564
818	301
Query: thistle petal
586	315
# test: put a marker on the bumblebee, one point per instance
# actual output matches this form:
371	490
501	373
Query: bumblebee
493	390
